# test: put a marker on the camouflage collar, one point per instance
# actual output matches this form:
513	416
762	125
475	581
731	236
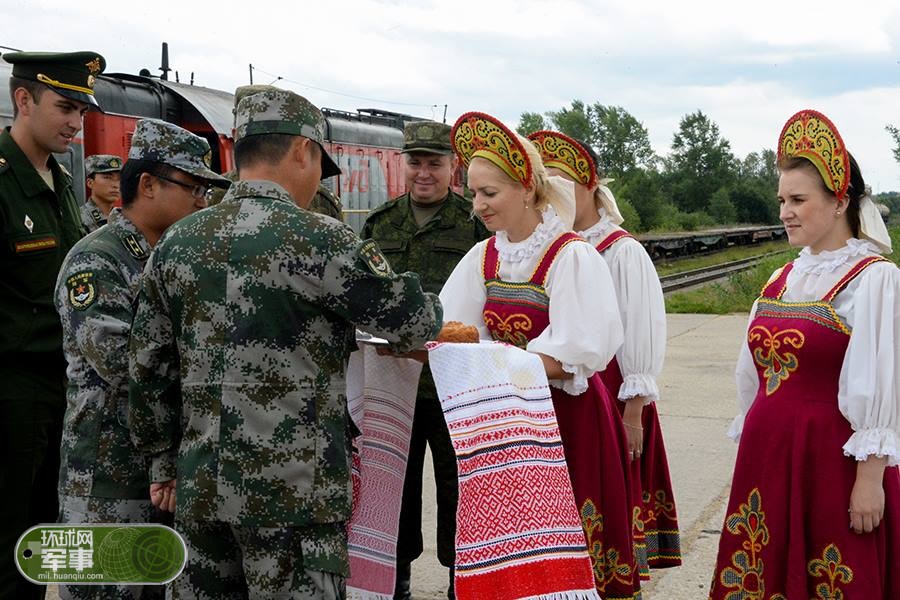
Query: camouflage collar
94	211
258	189
128	233
404	218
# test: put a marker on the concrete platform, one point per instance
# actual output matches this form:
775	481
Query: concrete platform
697	405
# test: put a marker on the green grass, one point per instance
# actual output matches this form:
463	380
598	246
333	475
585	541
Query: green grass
717	258
738	292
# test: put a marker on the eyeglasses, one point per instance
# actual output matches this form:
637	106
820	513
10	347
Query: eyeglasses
200	191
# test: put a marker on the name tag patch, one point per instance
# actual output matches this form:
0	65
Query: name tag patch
35	245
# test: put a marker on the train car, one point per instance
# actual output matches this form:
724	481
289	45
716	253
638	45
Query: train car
688	243
365	144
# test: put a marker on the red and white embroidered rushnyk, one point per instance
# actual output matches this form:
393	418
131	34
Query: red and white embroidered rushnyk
518	531
381	395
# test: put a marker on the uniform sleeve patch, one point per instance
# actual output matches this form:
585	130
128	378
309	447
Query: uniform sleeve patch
82	290
374	259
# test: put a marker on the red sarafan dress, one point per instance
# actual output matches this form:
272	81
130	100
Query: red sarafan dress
786	534
592	433
655	527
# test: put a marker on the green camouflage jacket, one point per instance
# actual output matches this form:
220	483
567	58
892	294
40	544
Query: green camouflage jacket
95	291
432	251
38	228
249	308
91	216
326	203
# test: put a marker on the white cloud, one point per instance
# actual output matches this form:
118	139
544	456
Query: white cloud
748	66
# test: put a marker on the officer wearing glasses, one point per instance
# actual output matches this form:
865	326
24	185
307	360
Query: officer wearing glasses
104	479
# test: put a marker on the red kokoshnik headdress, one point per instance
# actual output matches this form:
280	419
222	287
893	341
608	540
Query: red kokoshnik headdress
566	154
477	135
811	135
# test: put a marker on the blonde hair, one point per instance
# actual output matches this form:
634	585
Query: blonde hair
544	193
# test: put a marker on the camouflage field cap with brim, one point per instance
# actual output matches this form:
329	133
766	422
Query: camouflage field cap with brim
171	145
102	163
427	136
69	74
281	111
248	90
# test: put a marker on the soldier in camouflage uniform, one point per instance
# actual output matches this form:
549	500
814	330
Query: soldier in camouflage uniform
103	177
238	353
103	478
427	231
325	202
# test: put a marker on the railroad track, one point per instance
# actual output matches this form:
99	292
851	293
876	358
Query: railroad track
685	279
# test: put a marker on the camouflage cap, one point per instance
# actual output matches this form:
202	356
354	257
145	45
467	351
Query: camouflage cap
102	163
248	90
176	147
280	111
69	74
427	136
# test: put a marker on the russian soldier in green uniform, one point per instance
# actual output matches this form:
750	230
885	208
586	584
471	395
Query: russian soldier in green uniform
40	223
325	202
239	347
104	478
102	174
426	231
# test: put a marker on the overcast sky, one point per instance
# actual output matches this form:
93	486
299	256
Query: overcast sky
748	65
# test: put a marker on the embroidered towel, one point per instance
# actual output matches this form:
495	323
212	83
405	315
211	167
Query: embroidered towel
518	531
381	395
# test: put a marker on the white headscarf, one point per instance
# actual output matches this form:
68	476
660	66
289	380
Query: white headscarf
871	225
608	202
563	201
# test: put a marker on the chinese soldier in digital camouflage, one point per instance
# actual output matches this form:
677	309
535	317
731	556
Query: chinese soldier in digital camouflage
40	222
104	478
325	202
102	174
427	230
238	351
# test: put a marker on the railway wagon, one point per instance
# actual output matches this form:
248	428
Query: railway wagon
688	243
365	144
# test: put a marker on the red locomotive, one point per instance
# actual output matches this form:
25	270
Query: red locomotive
366	144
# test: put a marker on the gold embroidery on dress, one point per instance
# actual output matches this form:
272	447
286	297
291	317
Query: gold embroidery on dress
778	365
745	575
607	567
511	330
830	566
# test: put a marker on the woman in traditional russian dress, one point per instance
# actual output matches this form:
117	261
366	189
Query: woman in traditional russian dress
632	373
815	499
538	285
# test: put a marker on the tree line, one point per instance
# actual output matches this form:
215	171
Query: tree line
699	184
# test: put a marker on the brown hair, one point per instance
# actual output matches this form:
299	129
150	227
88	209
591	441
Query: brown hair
856	191
35	88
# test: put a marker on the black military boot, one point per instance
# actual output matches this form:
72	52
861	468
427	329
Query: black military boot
401	587
451	591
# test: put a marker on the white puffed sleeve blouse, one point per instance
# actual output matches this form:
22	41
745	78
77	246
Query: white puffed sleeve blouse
585	329
641	307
